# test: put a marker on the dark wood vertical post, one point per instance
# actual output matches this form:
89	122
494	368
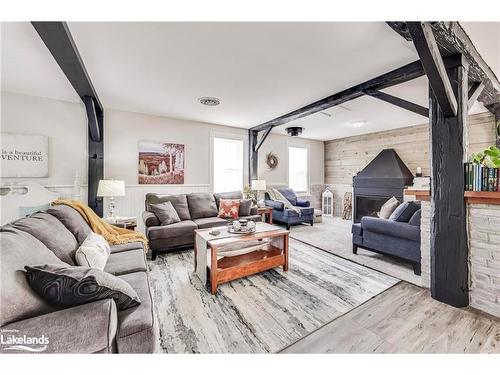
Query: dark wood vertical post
449	249
253	155
96	166
496	108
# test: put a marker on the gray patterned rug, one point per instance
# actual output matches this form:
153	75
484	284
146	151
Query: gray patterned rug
261	313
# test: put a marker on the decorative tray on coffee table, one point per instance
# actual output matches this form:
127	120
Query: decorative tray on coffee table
243	229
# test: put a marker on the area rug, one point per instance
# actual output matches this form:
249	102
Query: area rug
334	235
258	314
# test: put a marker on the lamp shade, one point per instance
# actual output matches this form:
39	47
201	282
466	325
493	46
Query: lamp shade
111	188
258	185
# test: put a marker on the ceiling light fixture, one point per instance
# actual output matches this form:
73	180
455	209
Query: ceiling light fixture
358	124
294	131
209	101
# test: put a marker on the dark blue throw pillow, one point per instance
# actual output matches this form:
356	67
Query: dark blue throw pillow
415	219
405	211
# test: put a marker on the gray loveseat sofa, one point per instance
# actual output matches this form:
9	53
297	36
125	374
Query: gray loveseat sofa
400	239
196	211
53	237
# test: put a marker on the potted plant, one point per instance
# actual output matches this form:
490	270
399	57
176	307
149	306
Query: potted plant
489	157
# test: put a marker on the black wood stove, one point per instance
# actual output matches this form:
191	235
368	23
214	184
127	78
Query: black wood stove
384	177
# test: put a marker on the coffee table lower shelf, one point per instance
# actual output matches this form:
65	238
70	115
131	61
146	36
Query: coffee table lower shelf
232	268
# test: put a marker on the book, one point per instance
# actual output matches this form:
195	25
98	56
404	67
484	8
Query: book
480	178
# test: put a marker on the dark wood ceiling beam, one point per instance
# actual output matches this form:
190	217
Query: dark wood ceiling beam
405	104
430	56
58	39
392	78
60	43
452	39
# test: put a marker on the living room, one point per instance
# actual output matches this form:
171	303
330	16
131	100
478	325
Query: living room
151	205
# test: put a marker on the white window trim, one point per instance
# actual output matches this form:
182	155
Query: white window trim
238	137
299	145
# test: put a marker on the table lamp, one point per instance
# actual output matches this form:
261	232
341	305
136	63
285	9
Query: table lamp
258	186
111	189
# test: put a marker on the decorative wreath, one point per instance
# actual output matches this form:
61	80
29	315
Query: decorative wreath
272	160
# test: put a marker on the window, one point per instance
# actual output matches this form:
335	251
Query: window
298	168
227	165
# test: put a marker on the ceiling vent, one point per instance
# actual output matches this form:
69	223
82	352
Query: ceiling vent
294	131
209	100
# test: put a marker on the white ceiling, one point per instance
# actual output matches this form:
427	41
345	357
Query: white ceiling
258	70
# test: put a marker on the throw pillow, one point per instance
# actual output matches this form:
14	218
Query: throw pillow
93	252
404	212
388	208
165	212
229	208
65	286
415	219
245	207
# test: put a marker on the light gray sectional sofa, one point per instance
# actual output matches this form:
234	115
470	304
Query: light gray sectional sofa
196	211
53	237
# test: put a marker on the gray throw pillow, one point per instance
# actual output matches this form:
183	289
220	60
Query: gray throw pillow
404	212
64	286
245	207
72	220
388	208
165	212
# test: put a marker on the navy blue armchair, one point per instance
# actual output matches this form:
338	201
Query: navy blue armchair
394	238
287	216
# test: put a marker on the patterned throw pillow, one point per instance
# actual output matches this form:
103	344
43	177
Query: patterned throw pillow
65	286
93	252
229	208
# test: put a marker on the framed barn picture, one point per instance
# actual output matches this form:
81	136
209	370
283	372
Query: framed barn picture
25	155
161	163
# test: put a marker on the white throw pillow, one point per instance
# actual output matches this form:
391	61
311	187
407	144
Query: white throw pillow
93	252
388	208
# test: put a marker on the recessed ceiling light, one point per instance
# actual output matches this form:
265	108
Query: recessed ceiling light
357	124
209	100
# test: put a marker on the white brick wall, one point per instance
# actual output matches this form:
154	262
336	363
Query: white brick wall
425	243
484	257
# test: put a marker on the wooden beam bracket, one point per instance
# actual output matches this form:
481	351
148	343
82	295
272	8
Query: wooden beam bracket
405	104
475	89
428	51
263	138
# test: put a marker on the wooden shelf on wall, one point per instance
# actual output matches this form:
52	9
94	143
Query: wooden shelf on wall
421	195
471	197
482	197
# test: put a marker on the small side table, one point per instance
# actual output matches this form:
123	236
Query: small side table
129	224
267	214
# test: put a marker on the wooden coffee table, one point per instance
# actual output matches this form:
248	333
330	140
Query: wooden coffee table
226	268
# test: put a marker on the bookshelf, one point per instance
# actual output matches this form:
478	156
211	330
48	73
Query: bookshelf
471	197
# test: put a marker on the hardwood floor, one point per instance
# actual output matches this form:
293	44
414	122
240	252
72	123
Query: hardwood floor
404	319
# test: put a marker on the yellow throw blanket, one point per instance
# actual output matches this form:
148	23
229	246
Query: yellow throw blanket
113	235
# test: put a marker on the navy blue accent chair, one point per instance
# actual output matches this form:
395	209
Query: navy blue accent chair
389	237
290	217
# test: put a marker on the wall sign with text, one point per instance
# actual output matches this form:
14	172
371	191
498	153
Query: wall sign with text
25	155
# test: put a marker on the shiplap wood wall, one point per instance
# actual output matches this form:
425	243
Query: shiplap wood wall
344	156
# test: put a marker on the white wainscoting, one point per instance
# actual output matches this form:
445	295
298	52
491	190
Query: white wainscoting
132	204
